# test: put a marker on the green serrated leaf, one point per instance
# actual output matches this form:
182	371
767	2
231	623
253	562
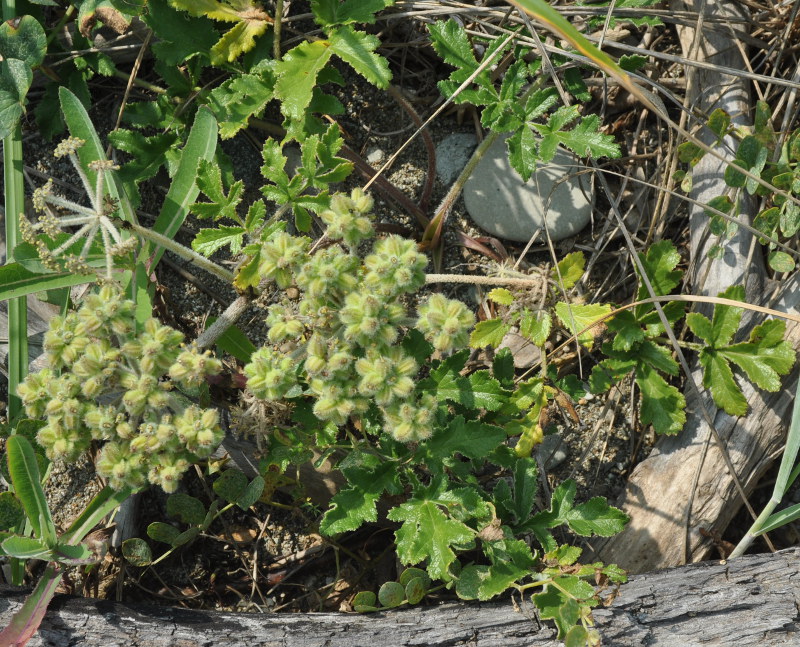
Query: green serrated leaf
501	296
472	439
627	329
535	326
659	263
632	62
236	41
578	317
662	404
585	139
427	534
718	377
569	269
358	50
765	356
556	605
596	517
181	37
297	76
352	507
209	241
333	12
488	333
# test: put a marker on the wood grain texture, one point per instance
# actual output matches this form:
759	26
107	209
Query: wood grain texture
752	601
660	488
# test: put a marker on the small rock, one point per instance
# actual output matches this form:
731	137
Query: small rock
524	351
553	451
374	155
505	206
452	155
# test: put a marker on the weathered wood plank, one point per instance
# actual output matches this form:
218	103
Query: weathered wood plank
752	601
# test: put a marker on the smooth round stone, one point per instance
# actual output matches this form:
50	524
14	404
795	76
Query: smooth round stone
452	155
504	206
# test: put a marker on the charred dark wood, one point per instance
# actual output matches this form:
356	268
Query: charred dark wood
750	601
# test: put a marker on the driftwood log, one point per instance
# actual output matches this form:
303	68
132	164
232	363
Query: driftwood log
685	485
751	601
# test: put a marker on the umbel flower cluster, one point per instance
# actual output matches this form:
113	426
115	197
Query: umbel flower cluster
339	342
57	213
107	383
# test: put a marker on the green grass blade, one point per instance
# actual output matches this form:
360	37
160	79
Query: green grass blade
17	307
16	281
80	125
790	451
201	144
102	504
780	518
24	472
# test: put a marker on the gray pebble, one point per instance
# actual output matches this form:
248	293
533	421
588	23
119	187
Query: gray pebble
505	206
553	451
452	155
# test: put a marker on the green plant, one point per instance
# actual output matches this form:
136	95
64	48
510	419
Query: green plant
27	507
766	156
151	433
232	486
